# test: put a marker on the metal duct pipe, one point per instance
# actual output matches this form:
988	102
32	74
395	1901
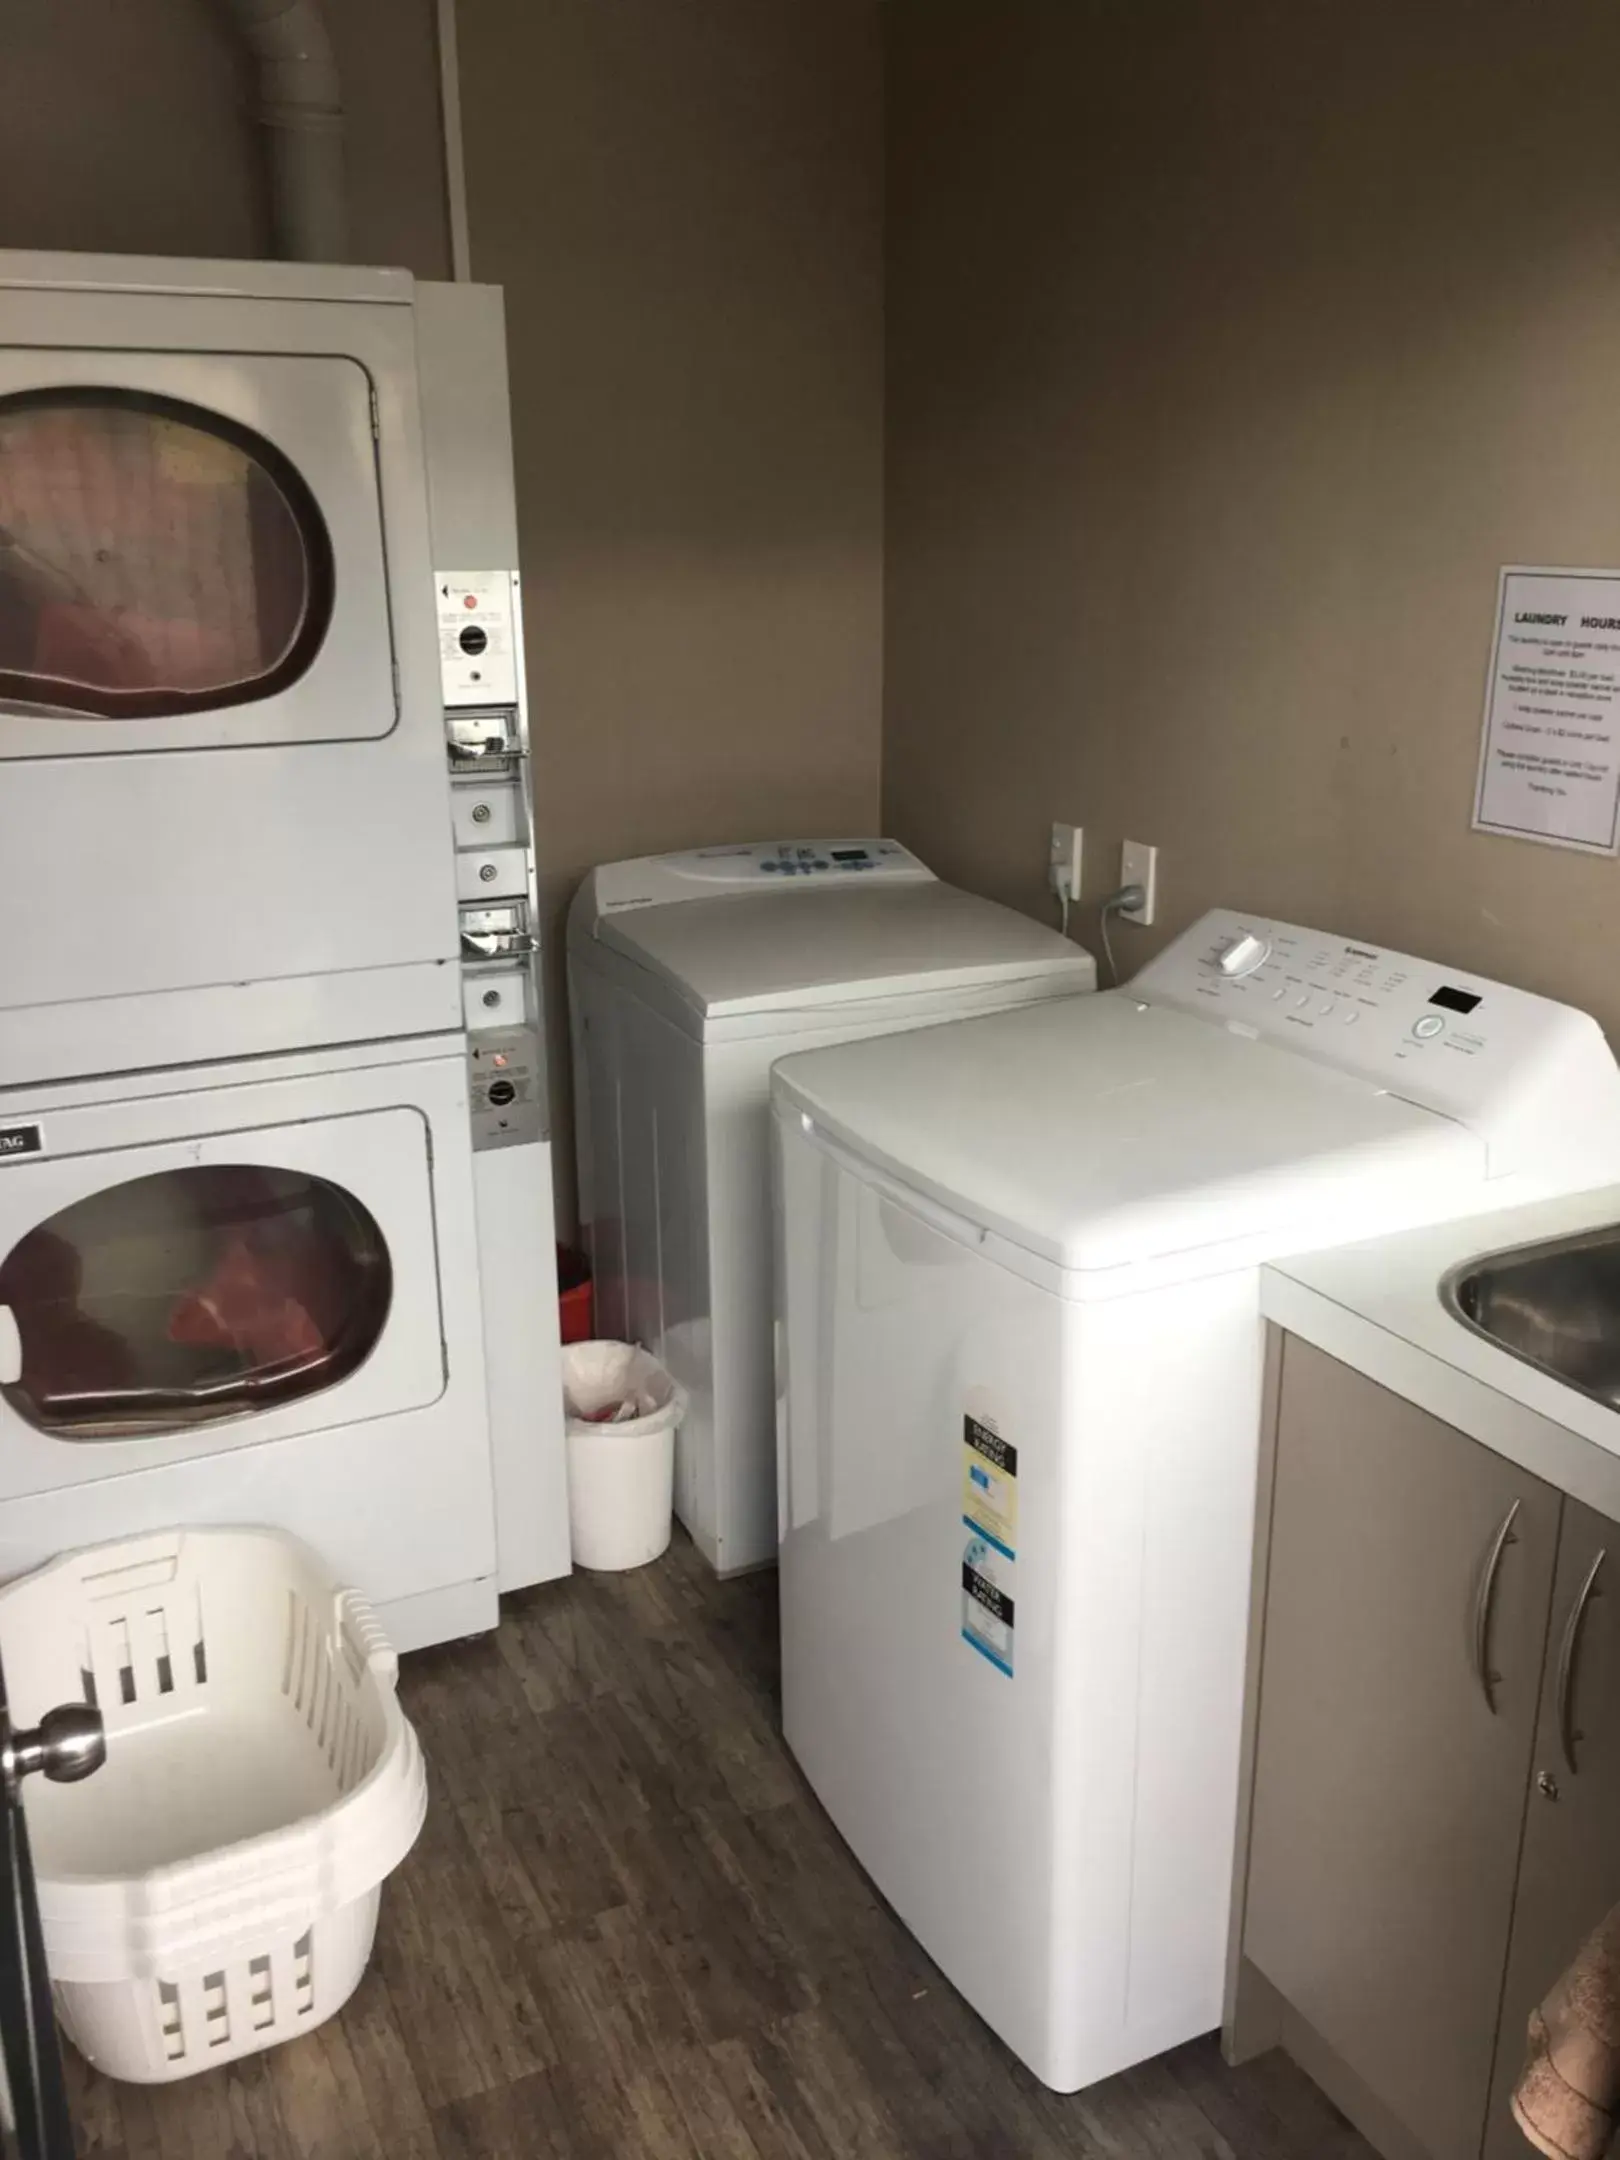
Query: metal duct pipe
301	108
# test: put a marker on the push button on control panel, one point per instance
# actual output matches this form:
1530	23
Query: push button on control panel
1428	1027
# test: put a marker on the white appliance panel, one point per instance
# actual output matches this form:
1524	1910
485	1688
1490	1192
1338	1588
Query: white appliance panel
203	896
1097	1716
461	354
378	1156
423	1553
674	1159
386	1470
1534	1078
953	1816
60	1041
523	1362
755	866
315	410
715	964
643	1155
1138	1132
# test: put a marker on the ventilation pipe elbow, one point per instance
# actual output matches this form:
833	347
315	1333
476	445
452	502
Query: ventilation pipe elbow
301	109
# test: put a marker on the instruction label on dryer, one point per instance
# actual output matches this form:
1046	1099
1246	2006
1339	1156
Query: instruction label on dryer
990	1485
988	1609
1549	764
477	637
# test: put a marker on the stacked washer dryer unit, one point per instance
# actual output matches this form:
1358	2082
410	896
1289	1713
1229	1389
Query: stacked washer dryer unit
1020	1293
239	1242
689	975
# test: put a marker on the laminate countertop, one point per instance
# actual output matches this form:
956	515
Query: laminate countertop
1376	1306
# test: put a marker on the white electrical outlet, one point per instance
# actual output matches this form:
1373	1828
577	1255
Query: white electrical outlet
1063	860
1139	865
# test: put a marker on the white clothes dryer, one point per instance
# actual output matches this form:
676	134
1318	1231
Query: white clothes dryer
689	974
223	819
251	1296
1020	1413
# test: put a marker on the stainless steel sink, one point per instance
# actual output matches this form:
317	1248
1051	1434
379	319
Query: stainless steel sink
1556	1305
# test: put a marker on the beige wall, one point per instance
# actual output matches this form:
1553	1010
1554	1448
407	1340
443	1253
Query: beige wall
1232	350
683	203
126	125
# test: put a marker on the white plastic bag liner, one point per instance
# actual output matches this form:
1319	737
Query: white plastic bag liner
621	1474
213	1888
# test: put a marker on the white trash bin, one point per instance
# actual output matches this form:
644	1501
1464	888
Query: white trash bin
621	1469
212	1889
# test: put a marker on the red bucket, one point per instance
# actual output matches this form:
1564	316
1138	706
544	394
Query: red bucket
576	1313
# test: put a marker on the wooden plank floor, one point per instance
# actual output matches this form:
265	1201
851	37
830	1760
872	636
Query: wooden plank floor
628	1930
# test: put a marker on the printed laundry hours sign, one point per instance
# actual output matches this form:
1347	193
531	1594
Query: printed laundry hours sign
1549	764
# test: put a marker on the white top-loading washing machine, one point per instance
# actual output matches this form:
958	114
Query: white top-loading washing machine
689	975
1020	1406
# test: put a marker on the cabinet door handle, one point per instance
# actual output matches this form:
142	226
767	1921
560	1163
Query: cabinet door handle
1483	1603
1567	1650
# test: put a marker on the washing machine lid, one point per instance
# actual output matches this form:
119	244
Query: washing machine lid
748	953
1099	1132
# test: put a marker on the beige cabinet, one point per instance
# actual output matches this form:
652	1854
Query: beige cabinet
1432	1759
1569	1868
1405	1618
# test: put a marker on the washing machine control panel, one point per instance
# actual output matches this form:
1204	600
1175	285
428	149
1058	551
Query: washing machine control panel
1456	1042
753	866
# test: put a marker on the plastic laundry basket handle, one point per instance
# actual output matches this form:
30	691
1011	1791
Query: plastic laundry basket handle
353	1612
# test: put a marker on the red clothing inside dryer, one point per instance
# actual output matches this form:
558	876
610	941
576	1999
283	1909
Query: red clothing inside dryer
279	1291
251	1304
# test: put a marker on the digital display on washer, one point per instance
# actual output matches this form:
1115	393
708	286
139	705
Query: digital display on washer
848	854
1461	1001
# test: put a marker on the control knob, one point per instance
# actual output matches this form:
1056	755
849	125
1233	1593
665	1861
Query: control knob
1241	955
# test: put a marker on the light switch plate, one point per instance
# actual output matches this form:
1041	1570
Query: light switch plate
1063	860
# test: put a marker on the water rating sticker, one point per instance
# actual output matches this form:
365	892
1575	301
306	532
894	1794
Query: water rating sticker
987	1603
990	1485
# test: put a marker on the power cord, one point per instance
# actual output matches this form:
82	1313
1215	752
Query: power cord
1128	896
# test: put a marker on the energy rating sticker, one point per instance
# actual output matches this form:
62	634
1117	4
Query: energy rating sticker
990	1485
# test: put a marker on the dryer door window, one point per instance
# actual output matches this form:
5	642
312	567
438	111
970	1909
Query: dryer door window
192	552
197	1294
154	558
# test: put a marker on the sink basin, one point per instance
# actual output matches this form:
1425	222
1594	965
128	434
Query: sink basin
1556	1305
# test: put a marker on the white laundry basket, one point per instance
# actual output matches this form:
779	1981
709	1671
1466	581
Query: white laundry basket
213	1889
621	1475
